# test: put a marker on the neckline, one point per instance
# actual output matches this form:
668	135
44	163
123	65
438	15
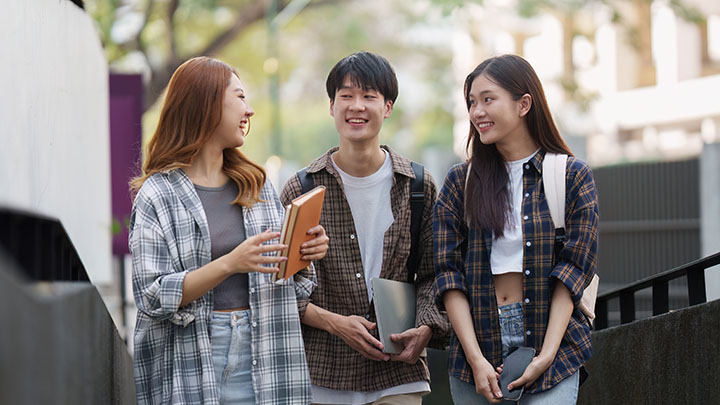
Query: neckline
521	161
214	189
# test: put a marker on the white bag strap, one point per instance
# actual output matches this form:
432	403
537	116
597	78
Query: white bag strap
554	169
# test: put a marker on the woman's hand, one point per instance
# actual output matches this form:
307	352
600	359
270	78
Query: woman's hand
248	256
535	369
316	248
561	308
486	381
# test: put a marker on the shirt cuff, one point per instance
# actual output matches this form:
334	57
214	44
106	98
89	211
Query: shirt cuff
572	277
449	280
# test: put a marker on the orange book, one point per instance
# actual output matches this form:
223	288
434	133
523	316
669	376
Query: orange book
302	214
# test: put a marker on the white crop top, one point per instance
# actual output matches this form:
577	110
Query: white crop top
506	255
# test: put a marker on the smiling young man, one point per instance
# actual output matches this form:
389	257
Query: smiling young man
366	214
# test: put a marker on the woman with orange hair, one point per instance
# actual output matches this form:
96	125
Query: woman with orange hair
211	326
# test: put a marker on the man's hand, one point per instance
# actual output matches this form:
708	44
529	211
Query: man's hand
353	330
414	342
316	248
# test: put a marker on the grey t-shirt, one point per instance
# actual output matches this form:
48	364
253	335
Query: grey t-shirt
227	230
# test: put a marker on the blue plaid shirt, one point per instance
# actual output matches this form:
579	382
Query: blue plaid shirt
169	237
462	261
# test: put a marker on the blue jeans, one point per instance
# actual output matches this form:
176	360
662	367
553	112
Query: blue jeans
231	352
511	331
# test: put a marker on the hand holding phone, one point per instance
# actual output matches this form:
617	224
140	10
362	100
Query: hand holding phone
514	367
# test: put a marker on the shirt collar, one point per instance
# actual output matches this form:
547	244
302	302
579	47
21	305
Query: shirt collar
537	160
400	165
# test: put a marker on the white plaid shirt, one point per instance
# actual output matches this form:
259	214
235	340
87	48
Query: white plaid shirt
169	236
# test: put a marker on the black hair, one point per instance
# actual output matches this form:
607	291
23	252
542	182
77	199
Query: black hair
366	70
487	198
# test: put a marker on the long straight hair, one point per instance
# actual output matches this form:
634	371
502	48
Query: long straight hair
487	196
191	112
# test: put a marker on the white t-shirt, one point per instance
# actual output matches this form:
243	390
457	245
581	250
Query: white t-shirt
369	200
506	255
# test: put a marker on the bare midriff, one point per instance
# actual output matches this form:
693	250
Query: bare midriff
231	309
508	288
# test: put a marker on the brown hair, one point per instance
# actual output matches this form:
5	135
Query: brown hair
487	198
190	114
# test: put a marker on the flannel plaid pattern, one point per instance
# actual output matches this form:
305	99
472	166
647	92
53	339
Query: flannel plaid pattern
169	236
341	281
462	261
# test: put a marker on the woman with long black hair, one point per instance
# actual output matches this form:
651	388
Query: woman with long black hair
496	271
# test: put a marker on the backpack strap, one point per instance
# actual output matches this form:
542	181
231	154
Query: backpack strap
553	174
417	202
306	181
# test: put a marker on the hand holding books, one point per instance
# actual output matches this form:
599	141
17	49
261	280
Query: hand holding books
301	223
315	249
250	255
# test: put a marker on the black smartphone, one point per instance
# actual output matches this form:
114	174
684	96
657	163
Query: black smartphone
514	367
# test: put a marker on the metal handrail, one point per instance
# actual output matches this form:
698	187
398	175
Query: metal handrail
40	245
695	272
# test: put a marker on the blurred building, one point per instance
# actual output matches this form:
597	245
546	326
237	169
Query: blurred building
626	80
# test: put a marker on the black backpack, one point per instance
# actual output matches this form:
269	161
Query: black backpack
417	201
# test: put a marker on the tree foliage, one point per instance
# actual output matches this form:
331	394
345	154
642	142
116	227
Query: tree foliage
161	34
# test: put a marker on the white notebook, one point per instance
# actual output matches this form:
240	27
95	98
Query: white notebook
394	309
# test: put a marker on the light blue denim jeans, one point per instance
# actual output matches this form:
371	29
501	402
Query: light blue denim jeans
511	331
230	333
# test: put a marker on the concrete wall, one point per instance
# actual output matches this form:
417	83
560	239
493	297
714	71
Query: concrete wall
669	359
54	144
61	346
710	214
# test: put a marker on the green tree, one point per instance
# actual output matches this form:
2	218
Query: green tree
164	33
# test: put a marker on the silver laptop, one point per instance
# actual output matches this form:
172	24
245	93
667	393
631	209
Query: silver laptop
395	310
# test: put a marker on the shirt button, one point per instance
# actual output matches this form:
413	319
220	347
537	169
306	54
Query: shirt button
525	217
527	272
255	361
528	333
358	275
527	194
528	244
367	316
352	236
252	291
527	167
254	324
527	301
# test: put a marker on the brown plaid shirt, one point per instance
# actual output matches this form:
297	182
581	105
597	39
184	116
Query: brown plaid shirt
341	282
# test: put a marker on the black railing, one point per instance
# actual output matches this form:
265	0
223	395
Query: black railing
40	246
695	272
54	320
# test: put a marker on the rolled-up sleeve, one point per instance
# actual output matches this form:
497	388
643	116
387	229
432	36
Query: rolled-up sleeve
576	262
157	287
449	237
